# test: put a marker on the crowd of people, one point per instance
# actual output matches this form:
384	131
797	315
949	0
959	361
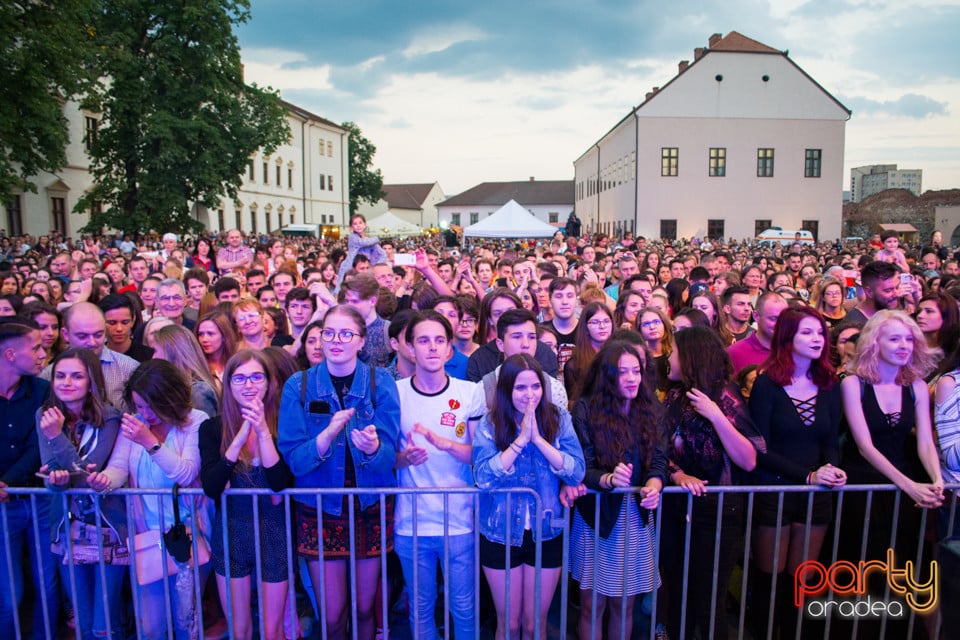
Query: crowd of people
560	371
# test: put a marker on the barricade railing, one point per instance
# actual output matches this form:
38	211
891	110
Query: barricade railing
683	507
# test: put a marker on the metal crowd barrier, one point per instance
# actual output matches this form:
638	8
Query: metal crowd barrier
35	496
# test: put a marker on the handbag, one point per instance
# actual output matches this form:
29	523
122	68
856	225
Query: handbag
82	547
149	548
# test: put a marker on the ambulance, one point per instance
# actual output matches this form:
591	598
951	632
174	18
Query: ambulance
784	237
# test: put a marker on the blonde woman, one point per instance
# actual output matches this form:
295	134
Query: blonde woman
248	318
176	345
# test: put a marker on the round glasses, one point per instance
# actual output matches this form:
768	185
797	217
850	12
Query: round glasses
344	335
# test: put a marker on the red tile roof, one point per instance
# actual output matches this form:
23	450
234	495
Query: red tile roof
525	192
735	41
406	196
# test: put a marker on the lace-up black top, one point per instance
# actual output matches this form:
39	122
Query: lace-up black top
801	433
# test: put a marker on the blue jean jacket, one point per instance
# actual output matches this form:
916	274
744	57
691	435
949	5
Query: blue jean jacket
298	430
530	470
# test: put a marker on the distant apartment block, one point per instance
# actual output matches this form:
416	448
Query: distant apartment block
874	178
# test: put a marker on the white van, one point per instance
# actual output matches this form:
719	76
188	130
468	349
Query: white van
785	237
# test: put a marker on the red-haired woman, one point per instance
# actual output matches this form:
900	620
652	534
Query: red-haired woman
796	406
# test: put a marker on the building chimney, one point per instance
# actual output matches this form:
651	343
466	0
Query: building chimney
698	53
714	39
532	179
683	65
649	95
656	90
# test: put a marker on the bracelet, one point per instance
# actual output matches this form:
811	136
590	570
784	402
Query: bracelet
516	448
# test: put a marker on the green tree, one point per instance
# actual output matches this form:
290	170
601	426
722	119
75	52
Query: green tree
45	49
366	183
178	123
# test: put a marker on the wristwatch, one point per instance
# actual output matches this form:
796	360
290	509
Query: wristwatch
156	447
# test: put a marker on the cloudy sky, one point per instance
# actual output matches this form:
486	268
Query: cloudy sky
466	92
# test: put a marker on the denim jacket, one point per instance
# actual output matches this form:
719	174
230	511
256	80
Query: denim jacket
298	430
530	470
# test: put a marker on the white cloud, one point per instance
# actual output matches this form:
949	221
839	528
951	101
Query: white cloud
282	69
440	38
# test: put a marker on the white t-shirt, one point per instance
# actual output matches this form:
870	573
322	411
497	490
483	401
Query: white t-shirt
446	414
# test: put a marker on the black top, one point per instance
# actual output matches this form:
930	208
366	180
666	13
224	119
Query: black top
610	503
890	433
694	444
489	357
794	448
216	471
139	352
19	448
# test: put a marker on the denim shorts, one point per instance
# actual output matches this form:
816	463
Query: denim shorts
493	555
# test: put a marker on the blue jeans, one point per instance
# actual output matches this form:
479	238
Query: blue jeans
459	578
88	607
153	608
21	538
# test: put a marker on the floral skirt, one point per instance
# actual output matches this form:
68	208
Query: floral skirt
370	539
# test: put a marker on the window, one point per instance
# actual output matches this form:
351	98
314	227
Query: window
278	175
455	219
330	182
554	217
236	218
323	182
813	226
221	221
290	178
253	221
668	229
759	226
90	126
292	219
764	163
715	229
718	162
669	158
250	171
15	216
811	163
329	149
58	210
474	217
266	172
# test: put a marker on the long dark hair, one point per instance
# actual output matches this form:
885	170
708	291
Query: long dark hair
612	431
504	415
483	322
704	363
93	405
165	388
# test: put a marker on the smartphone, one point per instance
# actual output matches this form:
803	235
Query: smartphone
404	260
906	280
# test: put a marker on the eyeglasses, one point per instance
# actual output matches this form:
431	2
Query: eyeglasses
468	321
239	379
344	335
651	323
244	317
596	324
165	299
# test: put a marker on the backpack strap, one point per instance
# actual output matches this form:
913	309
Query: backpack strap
373	386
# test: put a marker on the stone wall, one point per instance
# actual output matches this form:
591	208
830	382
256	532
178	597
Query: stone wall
897	206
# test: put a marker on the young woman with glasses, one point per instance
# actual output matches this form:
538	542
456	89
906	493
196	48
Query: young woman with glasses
593	330
341	432
239	448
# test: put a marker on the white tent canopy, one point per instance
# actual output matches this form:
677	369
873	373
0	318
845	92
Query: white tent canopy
389	225
510	221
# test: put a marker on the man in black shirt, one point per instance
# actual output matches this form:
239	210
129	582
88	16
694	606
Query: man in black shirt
21	394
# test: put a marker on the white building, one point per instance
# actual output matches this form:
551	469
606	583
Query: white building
413	203
303	181
874	178
740	140
549	200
